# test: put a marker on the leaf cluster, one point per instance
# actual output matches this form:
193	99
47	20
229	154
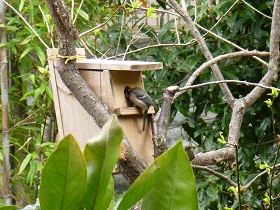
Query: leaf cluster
159	186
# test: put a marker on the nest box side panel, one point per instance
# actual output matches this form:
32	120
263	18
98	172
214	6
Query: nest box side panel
99	81
140	140
71	116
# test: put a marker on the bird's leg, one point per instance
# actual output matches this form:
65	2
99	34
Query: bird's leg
144	118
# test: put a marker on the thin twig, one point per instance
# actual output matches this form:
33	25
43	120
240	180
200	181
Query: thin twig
223	177
229	42
77	13
253	8
99	26
86	47
245	188
227	81
222	17
48	26
152	46
238	176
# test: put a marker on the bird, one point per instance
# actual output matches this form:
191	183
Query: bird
138	97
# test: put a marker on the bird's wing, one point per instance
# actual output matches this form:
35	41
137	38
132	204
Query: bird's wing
145	98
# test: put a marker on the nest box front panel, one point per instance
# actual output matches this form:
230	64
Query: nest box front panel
132	119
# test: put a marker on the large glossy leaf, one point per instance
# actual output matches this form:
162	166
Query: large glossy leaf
168	183
9	208
64	178
101	155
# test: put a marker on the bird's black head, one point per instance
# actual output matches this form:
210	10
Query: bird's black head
126	91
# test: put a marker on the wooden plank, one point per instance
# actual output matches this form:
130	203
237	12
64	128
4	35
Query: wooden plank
55	96
117	65
131	111
71	116
53	52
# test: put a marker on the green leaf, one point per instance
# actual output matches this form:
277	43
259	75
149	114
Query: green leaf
24	163
9	208
41	55
30	128
26	40
32	78
37	93
168	183
49	92
43	70
25	52
26	95
83	14
150	13
63	183
101	155
192	61
273	93
32	172
165	28
21	5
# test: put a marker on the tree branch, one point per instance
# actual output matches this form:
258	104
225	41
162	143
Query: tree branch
214	157
160	145
205	50
245	188
271	74
227	81
221	176
197	72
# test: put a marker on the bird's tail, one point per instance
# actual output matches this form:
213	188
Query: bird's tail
144	118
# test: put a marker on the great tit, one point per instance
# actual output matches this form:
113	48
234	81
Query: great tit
138	97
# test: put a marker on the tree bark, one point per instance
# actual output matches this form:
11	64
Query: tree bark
160	145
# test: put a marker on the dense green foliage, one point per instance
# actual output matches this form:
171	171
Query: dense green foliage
31	98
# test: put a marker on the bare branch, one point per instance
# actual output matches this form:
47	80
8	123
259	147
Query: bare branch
100	25
215	60
245	188
152	46
214	157
217	174
205	50
271	74
229	42
253	8
228	81
164	120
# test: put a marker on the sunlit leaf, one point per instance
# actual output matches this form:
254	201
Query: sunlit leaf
83	14
101	154
168	183
24	163
63	183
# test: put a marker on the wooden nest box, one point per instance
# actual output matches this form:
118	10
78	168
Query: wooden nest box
107	78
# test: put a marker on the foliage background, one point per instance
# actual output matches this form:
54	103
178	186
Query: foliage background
204	110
